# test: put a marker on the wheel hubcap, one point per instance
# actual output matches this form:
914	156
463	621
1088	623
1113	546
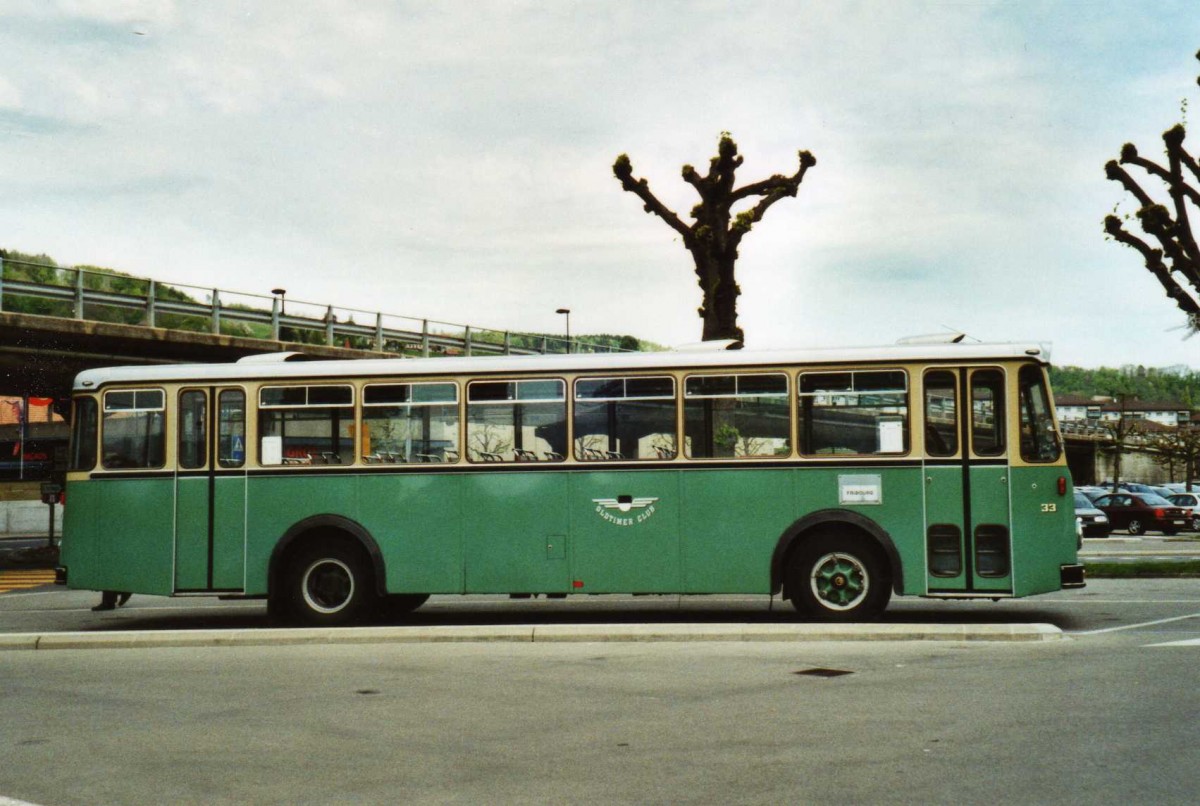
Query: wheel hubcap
839	581
328	585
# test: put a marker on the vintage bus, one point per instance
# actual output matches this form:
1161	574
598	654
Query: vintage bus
342	489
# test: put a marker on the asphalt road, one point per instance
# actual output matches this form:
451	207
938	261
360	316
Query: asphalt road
1106	716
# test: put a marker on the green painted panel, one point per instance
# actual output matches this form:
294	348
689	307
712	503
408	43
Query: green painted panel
81	537
989	507
418	523
508	519
123	533
730	524
944	507
625	531
191	537
899	512
229	532
1043	528
275	503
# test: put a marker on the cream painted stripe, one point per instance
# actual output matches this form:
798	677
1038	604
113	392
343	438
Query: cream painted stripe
1136	626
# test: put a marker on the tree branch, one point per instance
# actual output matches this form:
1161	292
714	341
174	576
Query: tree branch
623	170
1153	259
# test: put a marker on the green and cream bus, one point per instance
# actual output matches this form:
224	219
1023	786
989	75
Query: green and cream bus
338	489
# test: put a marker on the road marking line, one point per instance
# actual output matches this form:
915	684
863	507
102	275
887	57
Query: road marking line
1135	626
14	802
1189	642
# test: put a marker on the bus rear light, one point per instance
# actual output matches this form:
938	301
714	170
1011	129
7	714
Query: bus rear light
577	583
1062	485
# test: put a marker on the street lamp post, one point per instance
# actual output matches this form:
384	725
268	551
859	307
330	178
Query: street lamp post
278	309
567	313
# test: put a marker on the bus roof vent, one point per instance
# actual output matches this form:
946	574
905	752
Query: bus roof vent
714	346
933	338
273	358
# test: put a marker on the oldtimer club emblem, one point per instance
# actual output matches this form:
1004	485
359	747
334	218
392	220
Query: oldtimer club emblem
613	509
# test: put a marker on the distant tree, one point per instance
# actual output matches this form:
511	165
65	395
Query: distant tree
714	237
1175	259
1121	431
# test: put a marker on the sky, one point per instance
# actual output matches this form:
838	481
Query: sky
453	160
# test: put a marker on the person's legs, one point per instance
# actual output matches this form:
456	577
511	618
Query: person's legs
108	600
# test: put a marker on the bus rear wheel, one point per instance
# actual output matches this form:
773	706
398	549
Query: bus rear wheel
839	577
327	584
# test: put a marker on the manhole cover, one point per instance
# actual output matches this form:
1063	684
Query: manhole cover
823	672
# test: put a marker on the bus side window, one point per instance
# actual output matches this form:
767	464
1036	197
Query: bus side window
625	418
410	423
231	428
856	413
193	429
736	416
987	412
306	425
941	413
85	433
134	433
1039	438
517	421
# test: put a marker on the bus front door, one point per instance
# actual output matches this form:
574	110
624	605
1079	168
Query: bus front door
210	491
967	542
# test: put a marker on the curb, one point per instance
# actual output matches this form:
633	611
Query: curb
549	633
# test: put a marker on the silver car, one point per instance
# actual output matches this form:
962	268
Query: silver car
1190	502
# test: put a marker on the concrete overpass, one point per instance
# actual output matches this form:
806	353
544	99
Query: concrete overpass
40	355
100	318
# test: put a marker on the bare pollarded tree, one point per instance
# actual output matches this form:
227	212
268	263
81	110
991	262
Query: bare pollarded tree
1169	250
714	237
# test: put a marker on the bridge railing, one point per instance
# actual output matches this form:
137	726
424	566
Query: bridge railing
105	296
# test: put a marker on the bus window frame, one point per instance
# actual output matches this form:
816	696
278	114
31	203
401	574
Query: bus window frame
953	373
674	397
190	390
465	445
458	403
786	396
260	407
854	370
95	429
165	408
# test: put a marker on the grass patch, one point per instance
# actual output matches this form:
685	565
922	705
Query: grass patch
1143	568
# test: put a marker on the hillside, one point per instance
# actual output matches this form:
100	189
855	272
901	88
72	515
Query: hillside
1167	384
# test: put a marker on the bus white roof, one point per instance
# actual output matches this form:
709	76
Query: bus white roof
285	365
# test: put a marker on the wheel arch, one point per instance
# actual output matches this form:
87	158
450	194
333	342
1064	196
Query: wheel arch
814	523
326	525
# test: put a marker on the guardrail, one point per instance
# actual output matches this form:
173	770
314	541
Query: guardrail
89	294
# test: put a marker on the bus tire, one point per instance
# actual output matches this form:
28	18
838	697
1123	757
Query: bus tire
839	577
328	584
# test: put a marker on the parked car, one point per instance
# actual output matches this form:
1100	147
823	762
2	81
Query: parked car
1093	492
1190	502
1094	522
1139	513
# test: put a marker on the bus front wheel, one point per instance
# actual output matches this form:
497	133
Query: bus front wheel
839	577
327	584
